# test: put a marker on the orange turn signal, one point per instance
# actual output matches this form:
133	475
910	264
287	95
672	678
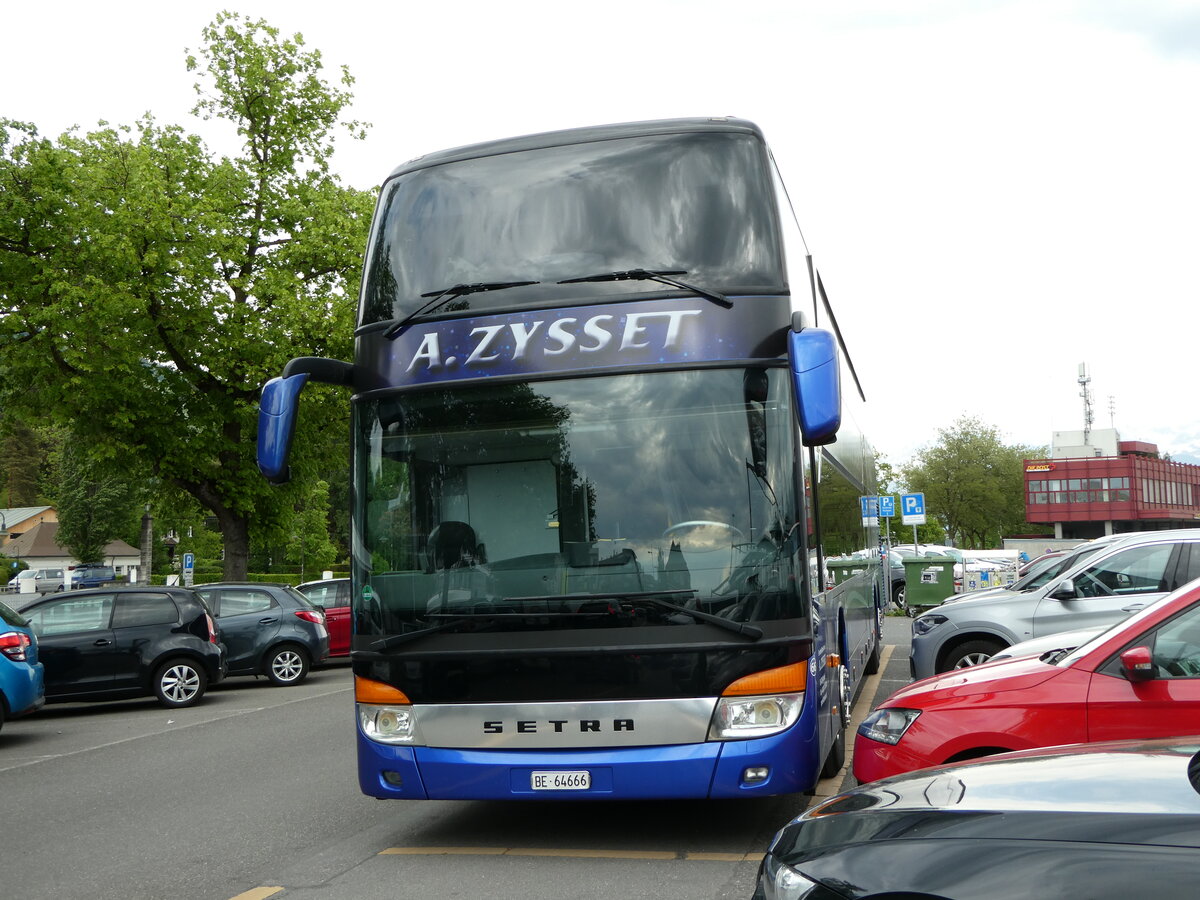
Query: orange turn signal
367	690
784	680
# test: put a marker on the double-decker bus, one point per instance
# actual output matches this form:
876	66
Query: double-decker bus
600	453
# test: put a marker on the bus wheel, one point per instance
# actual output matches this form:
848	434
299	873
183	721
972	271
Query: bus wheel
837	751
872	664
837	756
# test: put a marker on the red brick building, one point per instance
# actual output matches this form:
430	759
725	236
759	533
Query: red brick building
1118	486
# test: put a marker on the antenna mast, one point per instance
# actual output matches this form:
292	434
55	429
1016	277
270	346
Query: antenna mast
1085	391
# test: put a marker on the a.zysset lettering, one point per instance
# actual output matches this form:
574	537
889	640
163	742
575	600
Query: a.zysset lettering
518	341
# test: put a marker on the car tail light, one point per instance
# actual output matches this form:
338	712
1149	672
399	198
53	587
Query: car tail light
310	615
14	644
212	629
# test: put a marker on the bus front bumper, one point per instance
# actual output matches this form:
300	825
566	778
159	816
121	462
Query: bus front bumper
781	764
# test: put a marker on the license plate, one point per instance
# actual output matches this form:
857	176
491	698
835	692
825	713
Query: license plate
560	781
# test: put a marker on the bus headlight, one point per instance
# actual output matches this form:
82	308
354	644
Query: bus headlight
388	724
742	718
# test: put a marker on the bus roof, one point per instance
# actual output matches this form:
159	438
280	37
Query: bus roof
578	136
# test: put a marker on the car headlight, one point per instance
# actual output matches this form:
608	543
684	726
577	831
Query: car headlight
888	725
742	718
388	724
926	623
782	882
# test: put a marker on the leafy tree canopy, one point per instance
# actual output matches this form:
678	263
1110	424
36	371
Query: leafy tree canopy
149	289
973	482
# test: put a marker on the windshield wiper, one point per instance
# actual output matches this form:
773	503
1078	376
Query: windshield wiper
655	597
445	295
662	277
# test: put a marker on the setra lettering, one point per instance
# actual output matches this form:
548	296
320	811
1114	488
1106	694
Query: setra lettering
558	726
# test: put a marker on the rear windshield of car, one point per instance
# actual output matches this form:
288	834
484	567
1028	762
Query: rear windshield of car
11	617
300	598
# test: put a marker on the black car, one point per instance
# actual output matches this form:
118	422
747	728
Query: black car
267	629
1088	820
111	643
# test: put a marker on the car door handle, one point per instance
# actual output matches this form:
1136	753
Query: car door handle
270	620
102	642
1133	607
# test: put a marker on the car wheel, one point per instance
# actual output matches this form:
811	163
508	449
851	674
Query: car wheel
898	600
1	714
972	653
179	683
287	665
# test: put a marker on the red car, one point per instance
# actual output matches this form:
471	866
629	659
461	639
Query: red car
1139	679
333	596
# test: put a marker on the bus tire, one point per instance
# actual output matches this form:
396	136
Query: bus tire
872	665
836	758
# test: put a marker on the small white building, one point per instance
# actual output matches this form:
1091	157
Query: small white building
30	534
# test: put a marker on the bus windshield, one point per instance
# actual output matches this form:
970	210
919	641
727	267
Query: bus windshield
578	503
696	203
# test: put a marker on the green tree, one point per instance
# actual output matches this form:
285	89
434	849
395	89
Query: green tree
24	462
150	289
94	502
308	543
973	483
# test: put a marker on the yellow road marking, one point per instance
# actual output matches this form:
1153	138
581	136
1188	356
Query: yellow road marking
830	787
258	893
699	856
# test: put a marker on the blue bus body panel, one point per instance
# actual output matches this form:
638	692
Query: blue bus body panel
686	771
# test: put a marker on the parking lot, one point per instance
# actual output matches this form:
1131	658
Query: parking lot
253	793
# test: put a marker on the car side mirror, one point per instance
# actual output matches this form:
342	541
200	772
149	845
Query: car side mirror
1138	664
1064	591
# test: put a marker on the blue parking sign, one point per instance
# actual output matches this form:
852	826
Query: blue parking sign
887	506
869	506
912	509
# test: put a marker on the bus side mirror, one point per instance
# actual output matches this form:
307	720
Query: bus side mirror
816	383
276	424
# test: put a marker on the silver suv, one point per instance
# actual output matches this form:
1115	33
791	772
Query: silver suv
1098	584
42	580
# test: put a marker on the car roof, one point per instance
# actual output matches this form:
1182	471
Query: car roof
241	584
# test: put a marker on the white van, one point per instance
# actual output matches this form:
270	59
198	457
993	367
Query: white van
38	581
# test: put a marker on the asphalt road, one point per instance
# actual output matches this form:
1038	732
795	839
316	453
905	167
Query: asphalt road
254	794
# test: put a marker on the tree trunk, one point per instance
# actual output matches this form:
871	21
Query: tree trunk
235	529
235	532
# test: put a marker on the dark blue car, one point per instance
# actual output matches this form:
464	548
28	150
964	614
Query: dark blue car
267	629
22	689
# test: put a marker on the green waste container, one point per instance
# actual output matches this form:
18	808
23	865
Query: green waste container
842	569
928	580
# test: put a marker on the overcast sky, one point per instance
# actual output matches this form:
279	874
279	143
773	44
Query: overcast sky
994	192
